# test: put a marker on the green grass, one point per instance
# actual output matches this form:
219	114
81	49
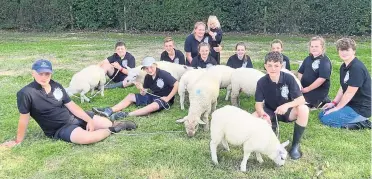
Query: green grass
337	153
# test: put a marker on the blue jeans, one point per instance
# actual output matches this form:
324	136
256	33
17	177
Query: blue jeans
341	118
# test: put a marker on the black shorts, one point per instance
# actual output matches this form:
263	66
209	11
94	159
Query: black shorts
118	78
64	133
283	118
148	99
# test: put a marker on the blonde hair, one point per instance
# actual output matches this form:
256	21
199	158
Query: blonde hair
322	42
168	39
203	44
345	44
197	24
215	20
277	41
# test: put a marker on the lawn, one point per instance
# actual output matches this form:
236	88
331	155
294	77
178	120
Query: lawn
155	151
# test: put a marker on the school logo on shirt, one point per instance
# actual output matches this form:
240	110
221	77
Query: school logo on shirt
176	60
244	64
208	65
346	78
58	94
284	91
160	83
315	64
206	39
124	63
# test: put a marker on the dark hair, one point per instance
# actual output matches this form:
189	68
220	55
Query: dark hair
118	44
274	57
345	44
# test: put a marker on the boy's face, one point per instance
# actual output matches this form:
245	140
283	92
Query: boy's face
204	52
348	54
199	31
42	78
240	51
168	46
273	68
151	70
316	48
121	50
276	47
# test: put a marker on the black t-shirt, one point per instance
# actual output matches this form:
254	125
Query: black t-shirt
356	75
214	43
191	45
198	62
128	60
179	58
235	62
276	94
161	85
312	69
286	62
48	110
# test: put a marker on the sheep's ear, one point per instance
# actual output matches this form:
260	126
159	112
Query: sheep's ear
201	122
284	144
181	120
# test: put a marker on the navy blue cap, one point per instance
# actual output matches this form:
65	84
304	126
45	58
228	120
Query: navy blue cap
42	65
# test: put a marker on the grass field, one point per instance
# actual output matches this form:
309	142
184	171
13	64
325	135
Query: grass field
328	153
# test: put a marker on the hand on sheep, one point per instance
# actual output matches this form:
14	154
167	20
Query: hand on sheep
282	109
116	65
90	126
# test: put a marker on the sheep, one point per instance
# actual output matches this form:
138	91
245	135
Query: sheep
244	79
189	78
203	96
223	73
138	75
87	79
294	76
233	125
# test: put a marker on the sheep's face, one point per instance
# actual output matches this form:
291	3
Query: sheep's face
132	76
191	126
281	154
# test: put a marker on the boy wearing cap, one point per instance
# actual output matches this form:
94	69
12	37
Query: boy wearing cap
47	102
278	97
163	86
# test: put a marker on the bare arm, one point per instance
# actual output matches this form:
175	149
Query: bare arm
173	92
339	95
299	75
21	132
314	85
347	96
188	57
296	102
259	108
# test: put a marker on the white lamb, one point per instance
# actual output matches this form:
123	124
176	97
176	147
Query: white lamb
235	126
223	73
188	79
243	79
294	76
87	79
203	96
138	75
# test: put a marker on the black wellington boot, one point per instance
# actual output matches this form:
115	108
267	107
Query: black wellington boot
295	151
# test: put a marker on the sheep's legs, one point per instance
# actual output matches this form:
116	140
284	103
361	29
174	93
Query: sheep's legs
225	145
243	165
102	89
259	157
213	146
234	97
83	97
228	91
205	119
182	99
214	106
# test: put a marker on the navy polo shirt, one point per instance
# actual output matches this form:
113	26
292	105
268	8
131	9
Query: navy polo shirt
312	69
128	60
48	110
276	94
191	45
198	62
179	58
214	43
286	63
235	62
356	75
161	85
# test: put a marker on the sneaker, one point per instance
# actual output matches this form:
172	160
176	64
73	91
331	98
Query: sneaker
106	112
118	115
124	125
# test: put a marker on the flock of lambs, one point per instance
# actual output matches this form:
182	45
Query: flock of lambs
229	124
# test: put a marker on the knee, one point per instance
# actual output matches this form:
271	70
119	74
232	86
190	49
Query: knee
302	109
